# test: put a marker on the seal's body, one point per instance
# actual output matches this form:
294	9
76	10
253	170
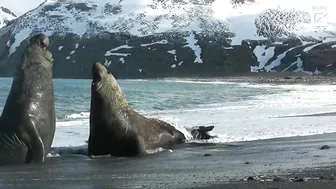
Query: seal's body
116	129
27	124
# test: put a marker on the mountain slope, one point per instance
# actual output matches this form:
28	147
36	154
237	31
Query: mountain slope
174	37
5	16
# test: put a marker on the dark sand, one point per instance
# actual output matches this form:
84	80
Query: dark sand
226	166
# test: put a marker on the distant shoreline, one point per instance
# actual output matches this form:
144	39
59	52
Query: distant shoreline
270	78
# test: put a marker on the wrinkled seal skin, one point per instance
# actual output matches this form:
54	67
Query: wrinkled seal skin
27	124
116	129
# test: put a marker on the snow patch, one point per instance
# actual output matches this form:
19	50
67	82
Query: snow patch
311	47
72	52
172	52
77	45
263	55
300	67
109	53
121	47
192	44
228	47
173	66
333	46
329	39
278	43
122	60
107	63
277	62
292	64
68	57
140	70
60	48
19	37
299	64
180	63
316	72
157	42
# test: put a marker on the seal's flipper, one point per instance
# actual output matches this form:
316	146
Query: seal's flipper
13	150
201	132
205	128
36	149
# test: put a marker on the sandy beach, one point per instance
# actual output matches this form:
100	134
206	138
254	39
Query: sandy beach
272	163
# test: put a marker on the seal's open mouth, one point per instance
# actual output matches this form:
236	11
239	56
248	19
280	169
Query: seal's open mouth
98	70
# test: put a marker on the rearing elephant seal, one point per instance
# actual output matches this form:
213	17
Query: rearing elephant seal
27	124
115	128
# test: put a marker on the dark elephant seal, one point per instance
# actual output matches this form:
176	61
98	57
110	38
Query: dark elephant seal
115	128
27	124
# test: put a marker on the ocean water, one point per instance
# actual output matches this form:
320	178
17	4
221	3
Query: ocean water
239	111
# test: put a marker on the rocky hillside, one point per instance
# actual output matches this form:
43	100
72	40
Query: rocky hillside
5	16
174	38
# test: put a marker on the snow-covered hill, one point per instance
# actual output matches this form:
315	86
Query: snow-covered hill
5	16
181	36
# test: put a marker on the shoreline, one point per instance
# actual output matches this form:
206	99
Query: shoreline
296	162
267	78
259	78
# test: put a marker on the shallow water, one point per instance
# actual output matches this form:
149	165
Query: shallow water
239	111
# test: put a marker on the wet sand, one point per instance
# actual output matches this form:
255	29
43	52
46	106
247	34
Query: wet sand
272	163
311	115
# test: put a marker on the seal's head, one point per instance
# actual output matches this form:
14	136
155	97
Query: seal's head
105	86
41	40
37	53
99	74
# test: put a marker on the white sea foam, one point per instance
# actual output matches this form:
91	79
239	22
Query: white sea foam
254	119
81	115
157	150
199	82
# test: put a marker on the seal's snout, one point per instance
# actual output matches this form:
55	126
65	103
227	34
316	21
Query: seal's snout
99	69
95	72
98	72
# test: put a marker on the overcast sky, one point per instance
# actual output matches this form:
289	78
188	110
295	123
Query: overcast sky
20	7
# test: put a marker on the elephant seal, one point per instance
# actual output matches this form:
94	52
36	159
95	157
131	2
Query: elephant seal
116	129
27	123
